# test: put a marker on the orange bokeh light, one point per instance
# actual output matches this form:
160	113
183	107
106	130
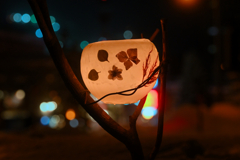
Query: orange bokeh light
70	114
187	2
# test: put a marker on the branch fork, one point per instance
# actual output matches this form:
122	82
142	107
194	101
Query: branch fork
128	137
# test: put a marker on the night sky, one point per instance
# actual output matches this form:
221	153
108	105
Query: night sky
187	23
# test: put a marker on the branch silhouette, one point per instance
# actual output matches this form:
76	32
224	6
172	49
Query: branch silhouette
128	137
40	10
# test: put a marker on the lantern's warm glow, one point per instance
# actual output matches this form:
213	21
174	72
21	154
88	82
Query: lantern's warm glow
113	66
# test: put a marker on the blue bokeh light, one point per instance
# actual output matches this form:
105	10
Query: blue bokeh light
74	123
149	112
137	103
17	17
156	84
56	26
53	19
26	18
83	44
61	44
45	120
127	34
38	33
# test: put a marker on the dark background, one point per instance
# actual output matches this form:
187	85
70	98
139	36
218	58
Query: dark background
203	48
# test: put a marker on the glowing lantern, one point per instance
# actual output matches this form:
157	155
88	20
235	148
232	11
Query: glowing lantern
118	65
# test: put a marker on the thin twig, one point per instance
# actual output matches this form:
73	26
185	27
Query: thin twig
154	35
162	95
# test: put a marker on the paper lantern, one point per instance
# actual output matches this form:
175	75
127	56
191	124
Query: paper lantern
116	65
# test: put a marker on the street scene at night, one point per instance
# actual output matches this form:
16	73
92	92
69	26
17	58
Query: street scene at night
164	75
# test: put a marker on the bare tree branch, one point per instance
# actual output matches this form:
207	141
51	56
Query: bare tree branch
162	94
134	116
43	7
128	137
69	77
154	35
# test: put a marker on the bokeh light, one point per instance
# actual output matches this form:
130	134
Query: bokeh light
17	17
149	112
70	114
187	3
48	106
134	103
51	106
45	120
213	31
74	123
26	18
106	111
137	103
152	99
127	34
56	26
156	84
33	19
83	44
43	107
38	33
102	39
61	122
53	19
20	94
61	44
54	121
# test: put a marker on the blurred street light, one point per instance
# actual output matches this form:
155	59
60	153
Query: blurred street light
187	3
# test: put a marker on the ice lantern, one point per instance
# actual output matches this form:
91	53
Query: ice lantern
117	65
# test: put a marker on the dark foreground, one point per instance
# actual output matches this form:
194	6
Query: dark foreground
219	139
